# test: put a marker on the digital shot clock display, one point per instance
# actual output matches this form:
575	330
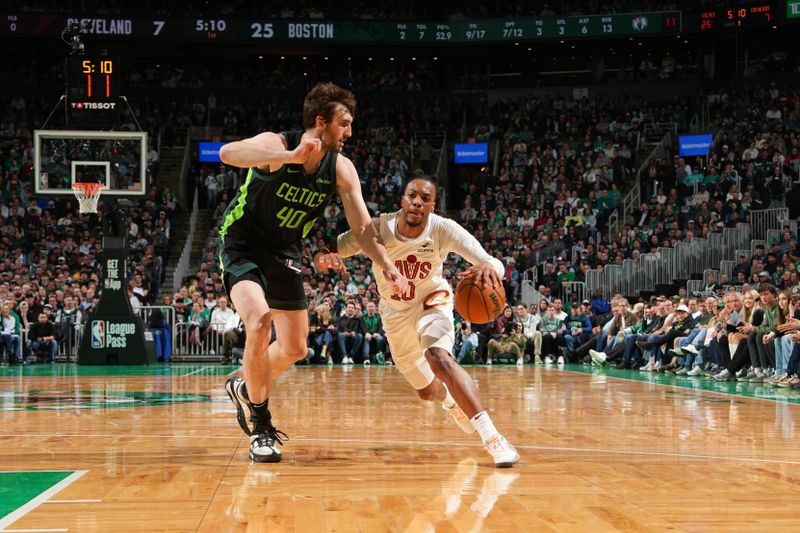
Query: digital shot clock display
93	90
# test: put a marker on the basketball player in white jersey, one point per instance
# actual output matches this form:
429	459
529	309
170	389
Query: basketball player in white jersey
419	322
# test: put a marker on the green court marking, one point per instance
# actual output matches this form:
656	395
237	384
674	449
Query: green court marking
19	488
732	388
74	370
110	398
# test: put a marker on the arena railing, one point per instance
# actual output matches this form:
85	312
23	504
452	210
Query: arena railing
667	273
726	267
649	264
699	246
630	276
198	342
695	286
531	296
714	250
69	338
763	220
190	341
594	280
573	291
182	266
682	260
613	278
730	242
773	235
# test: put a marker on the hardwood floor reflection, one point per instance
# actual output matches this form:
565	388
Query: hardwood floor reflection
163	452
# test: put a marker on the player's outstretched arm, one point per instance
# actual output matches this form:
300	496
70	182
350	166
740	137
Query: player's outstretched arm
267	150
461	242
355	210
345	245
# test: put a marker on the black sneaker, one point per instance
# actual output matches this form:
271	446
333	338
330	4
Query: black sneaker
263	447
238	395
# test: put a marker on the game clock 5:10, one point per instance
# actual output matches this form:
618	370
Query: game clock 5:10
95	78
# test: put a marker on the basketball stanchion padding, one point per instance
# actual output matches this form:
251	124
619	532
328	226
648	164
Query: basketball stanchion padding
88	194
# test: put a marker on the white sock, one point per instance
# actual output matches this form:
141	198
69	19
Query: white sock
448	402
482	422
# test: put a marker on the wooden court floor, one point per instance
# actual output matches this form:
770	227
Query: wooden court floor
158	449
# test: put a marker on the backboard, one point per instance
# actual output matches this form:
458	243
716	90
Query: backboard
117	159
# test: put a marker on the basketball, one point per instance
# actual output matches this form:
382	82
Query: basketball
477	302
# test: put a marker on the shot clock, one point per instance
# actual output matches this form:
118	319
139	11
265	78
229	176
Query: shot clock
93	90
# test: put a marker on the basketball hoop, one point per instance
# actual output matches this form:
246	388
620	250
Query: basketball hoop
88	194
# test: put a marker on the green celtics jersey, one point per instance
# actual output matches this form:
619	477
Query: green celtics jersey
275	210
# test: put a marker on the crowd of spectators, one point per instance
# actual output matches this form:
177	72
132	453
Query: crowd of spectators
750	335
49	252
562	163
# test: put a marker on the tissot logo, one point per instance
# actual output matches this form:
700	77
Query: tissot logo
94	105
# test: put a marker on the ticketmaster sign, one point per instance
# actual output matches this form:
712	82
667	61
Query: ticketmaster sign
471	153
793	9
695	144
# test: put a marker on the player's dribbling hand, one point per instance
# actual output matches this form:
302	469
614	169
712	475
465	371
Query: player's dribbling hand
398	281
486	273
331	260
306	147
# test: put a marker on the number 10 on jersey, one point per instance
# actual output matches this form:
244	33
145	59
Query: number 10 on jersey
408	294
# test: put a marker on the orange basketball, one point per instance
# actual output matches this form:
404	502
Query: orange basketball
478	303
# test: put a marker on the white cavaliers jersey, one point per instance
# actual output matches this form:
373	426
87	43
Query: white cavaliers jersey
420	259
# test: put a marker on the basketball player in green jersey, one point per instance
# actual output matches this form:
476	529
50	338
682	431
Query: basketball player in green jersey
291	177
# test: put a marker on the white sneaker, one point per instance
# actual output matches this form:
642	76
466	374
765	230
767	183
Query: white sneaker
503	453
263	446
461	419
691	349
646	368
366	362
560	360
696	371
548	360
489	362
658	367
520	362
724	375
598	358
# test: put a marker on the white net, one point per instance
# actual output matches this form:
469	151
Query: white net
88	194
